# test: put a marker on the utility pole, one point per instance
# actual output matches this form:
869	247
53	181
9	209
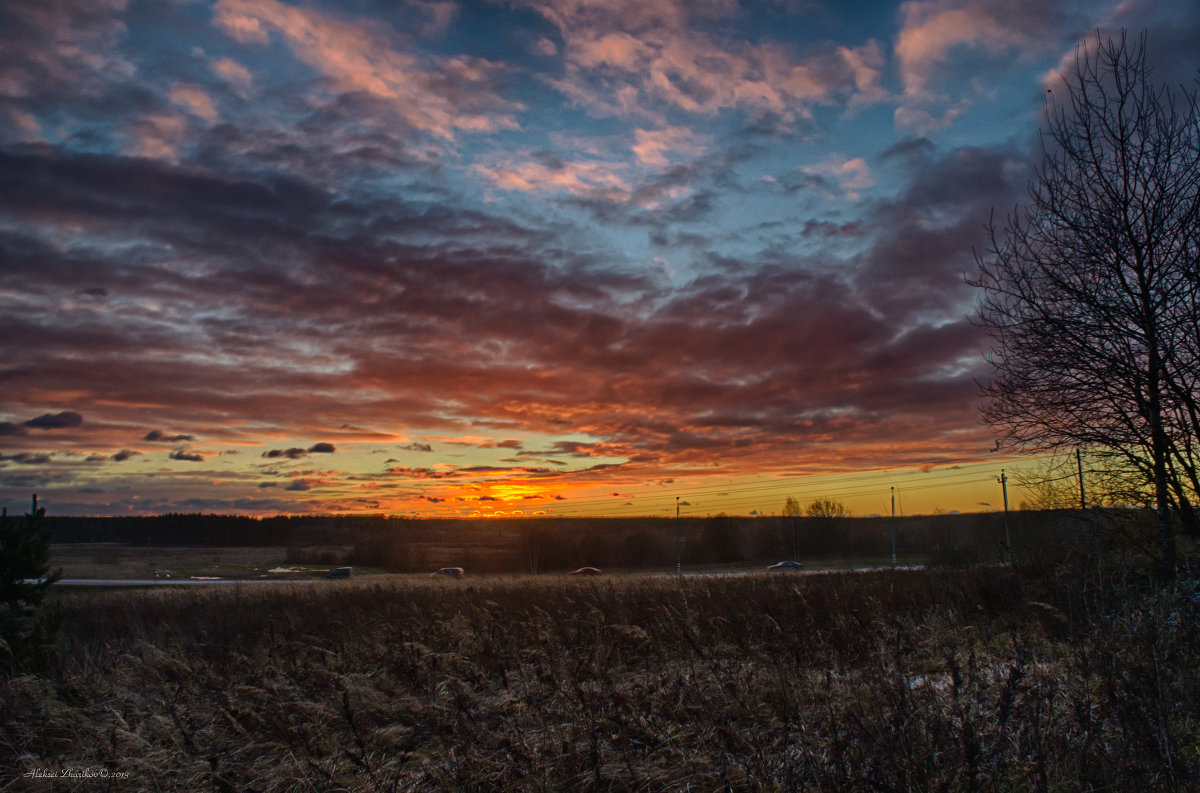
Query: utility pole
1007	538
893	527
1082	496
678	542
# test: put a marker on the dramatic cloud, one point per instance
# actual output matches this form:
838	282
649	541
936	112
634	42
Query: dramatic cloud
540	255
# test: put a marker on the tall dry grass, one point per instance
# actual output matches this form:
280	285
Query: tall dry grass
987	679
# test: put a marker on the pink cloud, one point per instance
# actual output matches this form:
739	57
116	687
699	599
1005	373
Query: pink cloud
654	147
440	97
866	63
933	29
584	179
627	58
157	136
619	50
195	99
234	74
851	175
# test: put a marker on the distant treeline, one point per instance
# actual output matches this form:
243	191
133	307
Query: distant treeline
548	544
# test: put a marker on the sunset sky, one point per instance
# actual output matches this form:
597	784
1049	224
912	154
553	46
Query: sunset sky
540	256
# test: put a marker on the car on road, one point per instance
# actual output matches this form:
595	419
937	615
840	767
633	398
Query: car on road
586	571
453	572
340	572
784	567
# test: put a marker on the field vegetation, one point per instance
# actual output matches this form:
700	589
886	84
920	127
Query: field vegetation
112	560
1071	671
242	547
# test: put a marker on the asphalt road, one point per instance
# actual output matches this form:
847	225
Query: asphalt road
179	581
144	582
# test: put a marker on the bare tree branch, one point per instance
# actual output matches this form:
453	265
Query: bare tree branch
1089	289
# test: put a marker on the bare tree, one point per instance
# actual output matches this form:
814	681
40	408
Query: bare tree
1051	484
826	508
791	515
1054	482
1090	288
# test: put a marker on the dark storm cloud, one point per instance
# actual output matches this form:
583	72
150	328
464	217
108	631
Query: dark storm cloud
415	447
476	290
40	179
1172	28
295	452
25	458
821	228
299	485
186	456
56	421
60	51
156	436
927	232
912	151
123	455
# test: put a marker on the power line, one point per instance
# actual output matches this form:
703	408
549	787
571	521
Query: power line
834	485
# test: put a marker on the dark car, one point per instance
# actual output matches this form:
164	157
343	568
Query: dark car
586	571
453	572
340	572
785	566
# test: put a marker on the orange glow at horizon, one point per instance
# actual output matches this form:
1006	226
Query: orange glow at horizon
969	486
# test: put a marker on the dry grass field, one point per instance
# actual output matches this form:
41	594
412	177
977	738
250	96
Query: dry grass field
983	679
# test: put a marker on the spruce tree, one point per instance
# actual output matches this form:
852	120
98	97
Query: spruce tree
26	628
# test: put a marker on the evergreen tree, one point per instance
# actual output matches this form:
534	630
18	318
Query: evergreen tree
26	629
